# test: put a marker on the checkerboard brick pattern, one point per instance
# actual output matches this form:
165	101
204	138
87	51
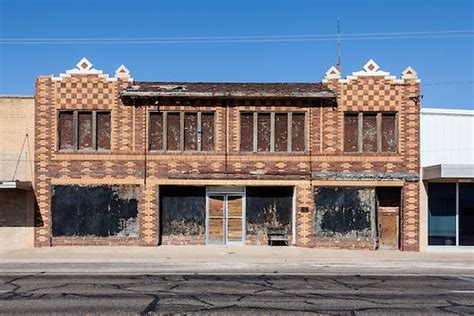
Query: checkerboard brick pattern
128	163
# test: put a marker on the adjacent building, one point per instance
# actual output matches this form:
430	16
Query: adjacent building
447	190
17	200
332	164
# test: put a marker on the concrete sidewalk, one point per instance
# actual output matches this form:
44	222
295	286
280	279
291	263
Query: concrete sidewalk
226	259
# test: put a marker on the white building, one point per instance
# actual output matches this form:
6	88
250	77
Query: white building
447	190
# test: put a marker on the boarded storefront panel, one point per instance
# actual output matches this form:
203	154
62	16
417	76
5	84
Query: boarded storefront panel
344	212
100	211
182	210
268	207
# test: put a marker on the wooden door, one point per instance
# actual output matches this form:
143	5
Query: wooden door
388	227
216	219
234	218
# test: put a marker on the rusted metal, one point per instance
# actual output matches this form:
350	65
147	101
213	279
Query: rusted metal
351	132
246	132
281	132
85	130
173	132
207	131
298	132
263	132
66	131
103	130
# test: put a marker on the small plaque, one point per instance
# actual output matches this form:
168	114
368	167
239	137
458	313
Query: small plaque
304	209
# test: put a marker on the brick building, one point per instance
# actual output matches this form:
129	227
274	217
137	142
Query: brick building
332	164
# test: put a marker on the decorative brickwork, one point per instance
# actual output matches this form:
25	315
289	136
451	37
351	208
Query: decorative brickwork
128	162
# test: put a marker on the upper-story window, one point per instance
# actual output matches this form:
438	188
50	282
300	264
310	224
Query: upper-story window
370	132
181	131
84	130
272	132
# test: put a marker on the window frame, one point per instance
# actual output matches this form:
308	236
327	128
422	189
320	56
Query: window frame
289	117
360	141
75	121
181	145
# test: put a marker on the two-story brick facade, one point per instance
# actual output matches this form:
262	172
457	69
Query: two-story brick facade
332	164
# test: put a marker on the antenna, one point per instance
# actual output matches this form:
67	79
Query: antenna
338	47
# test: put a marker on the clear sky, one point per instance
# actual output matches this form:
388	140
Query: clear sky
444	61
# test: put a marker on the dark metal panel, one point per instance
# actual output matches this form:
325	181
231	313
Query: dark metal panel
183	210
100	211
344	212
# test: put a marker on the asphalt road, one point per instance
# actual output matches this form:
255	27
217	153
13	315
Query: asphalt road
236	294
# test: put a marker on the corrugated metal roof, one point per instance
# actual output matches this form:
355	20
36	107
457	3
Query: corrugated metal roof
228	90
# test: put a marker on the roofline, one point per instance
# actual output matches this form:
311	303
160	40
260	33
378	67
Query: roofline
446	111
17	96
170	94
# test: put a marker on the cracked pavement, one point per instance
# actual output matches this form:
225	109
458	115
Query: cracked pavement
149	294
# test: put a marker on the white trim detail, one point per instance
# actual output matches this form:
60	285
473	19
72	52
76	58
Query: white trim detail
370	69
84	67
122	72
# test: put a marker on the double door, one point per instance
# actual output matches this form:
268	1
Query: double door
225	218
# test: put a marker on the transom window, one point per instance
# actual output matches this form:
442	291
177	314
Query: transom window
272	132
181	131
84	130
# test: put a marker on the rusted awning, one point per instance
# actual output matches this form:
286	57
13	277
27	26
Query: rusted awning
228	90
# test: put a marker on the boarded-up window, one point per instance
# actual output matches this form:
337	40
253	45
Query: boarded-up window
173	131
103	130
91	129
156	131
190	131
263	132
369	133
85	130
246	132
66	131
207	131
389	138
281	132
297	132
351	132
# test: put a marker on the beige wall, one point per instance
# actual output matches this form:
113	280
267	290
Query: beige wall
16	206
16	121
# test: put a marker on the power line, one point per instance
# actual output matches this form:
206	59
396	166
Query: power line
241	39
447	83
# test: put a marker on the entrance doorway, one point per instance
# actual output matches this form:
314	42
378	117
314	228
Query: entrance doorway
225	216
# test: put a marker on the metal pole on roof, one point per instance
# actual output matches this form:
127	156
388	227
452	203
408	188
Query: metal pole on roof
338	46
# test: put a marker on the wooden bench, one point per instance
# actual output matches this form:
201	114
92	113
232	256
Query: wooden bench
277	234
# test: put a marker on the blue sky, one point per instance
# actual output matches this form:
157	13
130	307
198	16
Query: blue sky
445	64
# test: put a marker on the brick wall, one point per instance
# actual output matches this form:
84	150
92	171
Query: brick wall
125	164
